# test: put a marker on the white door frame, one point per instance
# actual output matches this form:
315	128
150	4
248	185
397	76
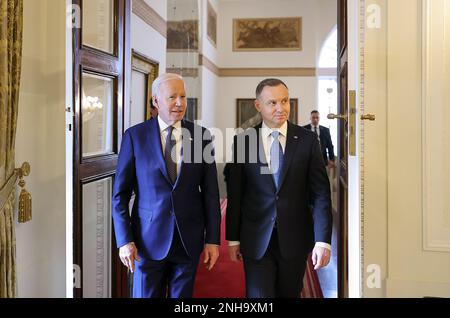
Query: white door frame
355	14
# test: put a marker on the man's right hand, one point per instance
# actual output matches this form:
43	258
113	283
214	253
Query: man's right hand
235	253
128	253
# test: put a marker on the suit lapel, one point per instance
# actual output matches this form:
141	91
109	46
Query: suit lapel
188	145
291	146
156	147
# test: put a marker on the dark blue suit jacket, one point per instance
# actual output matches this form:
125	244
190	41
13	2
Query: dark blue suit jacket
254	203
325	142
192	204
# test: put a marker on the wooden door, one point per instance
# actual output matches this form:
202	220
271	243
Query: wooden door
101	69
342	151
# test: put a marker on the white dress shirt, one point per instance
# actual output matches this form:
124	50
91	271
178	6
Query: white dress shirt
267	140
176	133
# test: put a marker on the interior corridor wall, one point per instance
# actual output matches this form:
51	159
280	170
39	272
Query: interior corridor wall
41	141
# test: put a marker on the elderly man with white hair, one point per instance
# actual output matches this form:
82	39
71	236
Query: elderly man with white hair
176	212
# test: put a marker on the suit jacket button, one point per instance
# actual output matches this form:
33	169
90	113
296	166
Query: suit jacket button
278	198
170	212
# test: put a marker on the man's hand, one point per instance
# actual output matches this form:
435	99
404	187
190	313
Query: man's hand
320	257
331	164
128	253
211	255
235	253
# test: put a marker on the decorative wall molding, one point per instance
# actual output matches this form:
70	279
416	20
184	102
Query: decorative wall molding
150	16
326	72
435	146
184	71
397	288
265	72
203	60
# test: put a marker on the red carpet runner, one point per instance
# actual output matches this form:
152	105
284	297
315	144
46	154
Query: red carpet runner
227	280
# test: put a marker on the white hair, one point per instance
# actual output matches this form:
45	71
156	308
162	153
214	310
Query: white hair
163	78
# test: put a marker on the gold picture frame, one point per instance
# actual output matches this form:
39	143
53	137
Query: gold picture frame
267	34
211	24
150	68
247	116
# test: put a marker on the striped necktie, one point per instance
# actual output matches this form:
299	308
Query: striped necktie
170	162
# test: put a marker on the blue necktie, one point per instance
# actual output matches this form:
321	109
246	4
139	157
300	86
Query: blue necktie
276	157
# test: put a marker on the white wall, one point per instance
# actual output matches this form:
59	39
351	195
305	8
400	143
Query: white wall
208	48
41	141
160	6
209	80
318	20
230	10
325	21
147	40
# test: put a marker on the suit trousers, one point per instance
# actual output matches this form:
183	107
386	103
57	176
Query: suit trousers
172	277
273	276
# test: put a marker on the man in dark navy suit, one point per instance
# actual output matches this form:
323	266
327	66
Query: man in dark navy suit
271	224
324	136
169	165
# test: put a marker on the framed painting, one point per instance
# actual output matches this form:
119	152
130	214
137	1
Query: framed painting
191	110
182	35
144	72
247	116
267	34
211	24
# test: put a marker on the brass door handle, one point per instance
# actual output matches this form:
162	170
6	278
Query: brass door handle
334	116
368	117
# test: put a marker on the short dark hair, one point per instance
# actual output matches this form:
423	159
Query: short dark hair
315	112
272	82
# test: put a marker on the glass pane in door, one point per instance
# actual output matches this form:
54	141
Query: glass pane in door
97	115
98	24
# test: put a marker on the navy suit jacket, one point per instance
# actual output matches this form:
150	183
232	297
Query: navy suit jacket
255	204
191	204
325	142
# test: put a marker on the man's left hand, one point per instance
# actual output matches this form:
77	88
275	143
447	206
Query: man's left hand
211	255
320	257
331	164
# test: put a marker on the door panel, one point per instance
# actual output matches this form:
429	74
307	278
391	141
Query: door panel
97	238
100	87
405	210
342	150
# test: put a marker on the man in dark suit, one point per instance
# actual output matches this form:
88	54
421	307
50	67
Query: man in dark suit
176	211
277	167
324	136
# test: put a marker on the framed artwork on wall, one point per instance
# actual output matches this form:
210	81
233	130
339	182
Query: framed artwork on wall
182	35
267	34
247	116
211	24
191	110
